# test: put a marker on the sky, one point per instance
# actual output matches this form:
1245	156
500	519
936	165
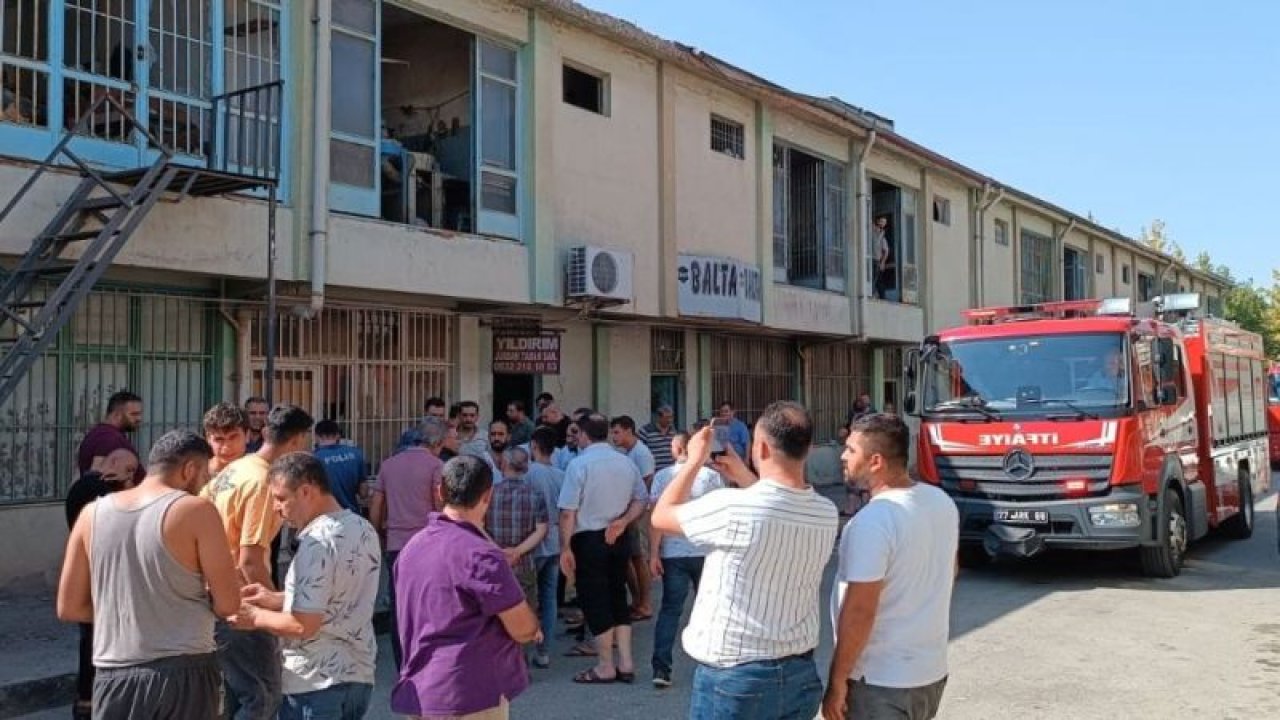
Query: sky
1126	109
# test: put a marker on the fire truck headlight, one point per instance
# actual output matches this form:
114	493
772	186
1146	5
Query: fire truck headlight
1115	515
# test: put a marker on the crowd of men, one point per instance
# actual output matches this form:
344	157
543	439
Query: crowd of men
254	550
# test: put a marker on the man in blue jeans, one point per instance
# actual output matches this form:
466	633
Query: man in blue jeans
756	619
547	479
678	562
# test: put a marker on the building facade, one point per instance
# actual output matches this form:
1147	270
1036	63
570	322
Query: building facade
485	200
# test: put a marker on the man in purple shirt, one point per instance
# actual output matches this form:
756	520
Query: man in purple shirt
461	612
405	493
124	415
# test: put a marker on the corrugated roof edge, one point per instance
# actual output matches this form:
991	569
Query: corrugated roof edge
832	112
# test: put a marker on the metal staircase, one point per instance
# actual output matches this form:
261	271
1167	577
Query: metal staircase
40	296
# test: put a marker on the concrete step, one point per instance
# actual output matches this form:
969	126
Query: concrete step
39	654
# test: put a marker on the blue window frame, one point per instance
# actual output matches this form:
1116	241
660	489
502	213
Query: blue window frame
164	60
355	112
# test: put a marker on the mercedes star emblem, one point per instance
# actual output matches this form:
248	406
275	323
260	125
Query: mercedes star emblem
1019	465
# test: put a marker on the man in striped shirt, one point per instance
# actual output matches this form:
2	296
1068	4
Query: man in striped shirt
756	618
657	436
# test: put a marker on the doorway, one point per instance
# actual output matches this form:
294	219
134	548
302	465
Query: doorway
666	390
509	388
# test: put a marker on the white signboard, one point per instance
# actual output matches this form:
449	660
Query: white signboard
719	288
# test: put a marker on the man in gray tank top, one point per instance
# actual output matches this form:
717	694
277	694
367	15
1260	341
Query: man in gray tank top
158	553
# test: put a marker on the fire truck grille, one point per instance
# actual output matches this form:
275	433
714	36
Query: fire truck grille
984	476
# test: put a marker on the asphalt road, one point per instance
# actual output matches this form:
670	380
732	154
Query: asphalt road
1072	636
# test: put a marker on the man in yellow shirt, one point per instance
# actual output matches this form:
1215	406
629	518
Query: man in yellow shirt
242	493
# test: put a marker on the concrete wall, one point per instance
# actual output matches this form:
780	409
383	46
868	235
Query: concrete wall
948	276
998	261
715	194
802	310
35	537
572	387
606	166
622	372
494	18
366	253
215	236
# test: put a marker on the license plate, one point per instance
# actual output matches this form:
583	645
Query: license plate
1021	517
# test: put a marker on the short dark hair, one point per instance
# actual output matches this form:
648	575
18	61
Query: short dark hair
723	403
464	480
581	413
300	468
544	439
787	428
455	410
121	398
595	426
500	421
328	428
286	422
225	416
545	396
255	399
469	404
434	401
517	404
623	421
177	447
884	435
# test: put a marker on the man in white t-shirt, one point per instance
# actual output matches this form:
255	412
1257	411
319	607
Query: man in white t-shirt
756	617
326	610
892	597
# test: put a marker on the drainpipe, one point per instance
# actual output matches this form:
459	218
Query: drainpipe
864	225
986	203
321	21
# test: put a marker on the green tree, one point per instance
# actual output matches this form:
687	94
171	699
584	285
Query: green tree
1155	237
1253	308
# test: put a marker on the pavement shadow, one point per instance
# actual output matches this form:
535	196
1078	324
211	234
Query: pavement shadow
1215	563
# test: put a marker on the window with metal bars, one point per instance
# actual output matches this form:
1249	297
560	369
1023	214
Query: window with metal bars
751	372
1037	267
175	65
1146	286
1075	276
666	351
836	375
370	369
728	137
161	346
808	220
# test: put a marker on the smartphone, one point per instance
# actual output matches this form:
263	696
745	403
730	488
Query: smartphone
719	437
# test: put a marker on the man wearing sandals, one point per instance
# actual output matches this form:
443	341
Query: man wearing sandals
603	493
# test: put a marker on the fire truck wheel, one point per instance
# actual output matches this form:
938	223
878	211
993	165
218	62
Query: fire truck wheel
1240	525
1165	560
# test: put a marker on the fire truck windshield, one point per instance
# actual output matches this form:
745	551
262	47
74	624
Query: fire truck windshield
1040	375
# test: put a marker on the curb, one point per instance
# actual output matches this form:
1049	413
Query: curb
30	696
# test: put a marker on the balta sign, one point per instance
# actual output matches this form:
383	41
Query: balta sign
719	288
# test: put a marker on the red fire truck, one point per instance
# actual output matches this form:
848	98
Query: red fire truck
1087	425
1273	413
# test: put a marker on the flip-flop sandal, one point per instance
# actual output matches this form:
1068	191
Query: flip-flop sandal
589	677
580	651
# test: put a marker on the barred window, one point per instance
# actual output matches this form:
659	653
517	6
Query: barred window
727	137
809	236
1001	233
1037	267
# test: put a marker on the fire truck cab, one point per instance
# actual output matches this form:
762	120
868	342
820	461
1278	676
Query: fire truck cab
1093	425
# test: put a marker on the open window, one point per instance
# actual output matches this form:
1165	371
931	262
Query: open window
892	255
446	109
808	220
1075	274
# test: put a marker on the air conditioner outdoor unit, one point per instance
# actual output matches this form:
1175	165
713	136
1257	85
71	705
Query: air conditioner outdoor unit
593	273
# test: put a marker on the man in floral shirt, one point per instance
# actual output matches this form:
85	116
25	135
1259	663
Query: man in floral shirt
325	613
